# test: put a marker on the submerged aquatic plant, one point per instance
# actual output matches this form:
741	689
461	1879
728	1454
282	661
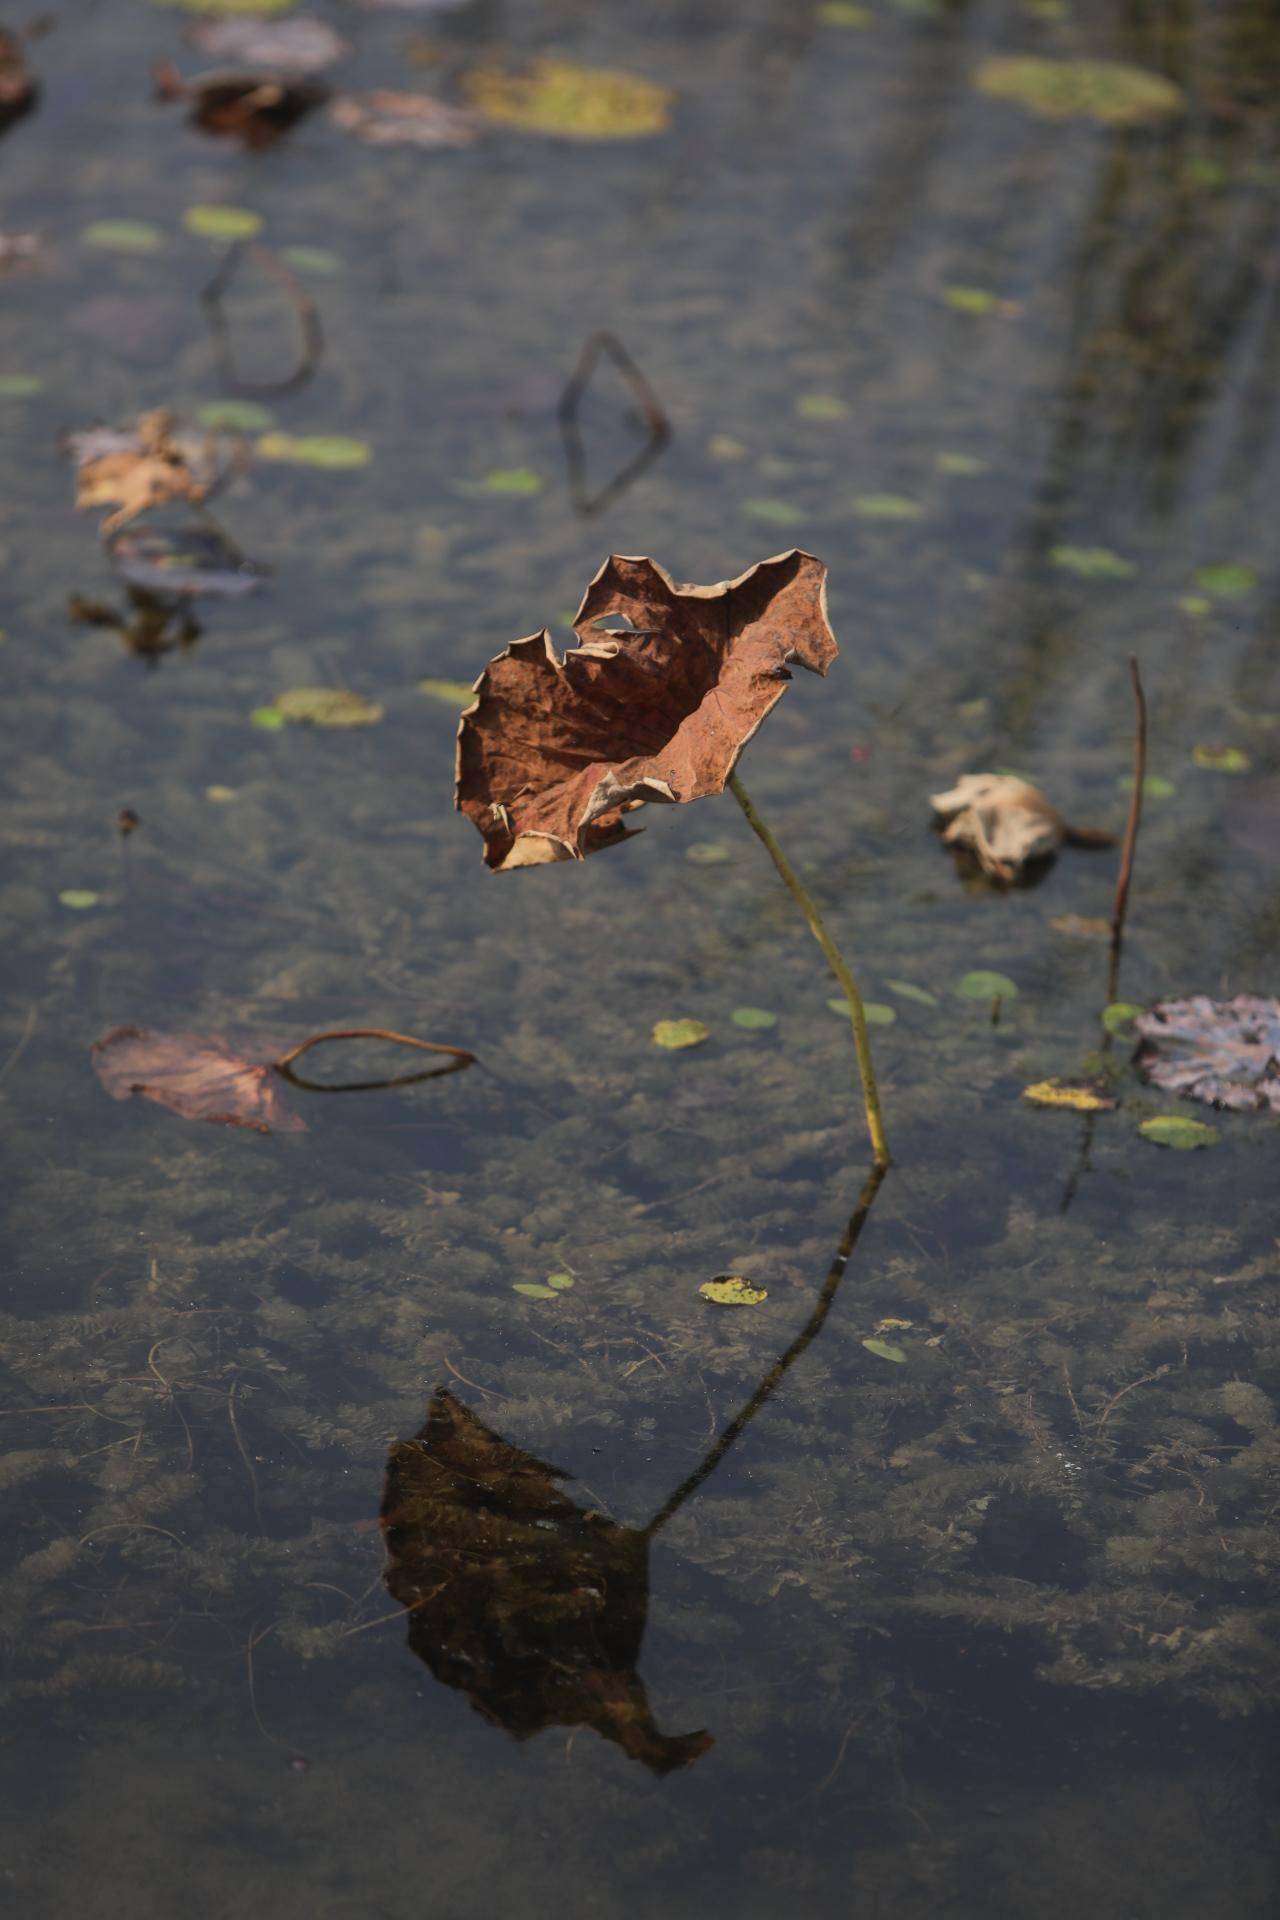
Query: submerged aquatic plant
656	702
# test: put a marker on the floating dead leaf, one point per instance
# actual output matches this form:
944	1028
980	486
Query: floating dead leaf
18	90
296	45
1109	91
577	103
140	467
1222	759
675	1035
199	1076
334	452
1062	1093
256	108
184	565
385	118
326	707
530	1605
1007	825
1225	1053
553	753
1077	926
733	1290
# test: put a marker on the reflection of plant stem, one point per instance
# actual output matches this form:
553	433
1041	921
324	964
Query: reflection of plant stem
1131	827
837	962
812	1326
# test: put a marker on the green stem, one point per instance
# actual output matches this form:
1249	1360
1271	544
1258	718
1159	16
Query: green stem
835	960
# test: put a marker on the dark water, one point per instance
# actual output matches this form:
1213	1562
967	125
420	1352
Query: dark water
986	1631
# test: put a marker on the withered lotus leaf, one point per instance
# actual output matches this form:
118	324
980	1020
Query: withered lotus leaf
665	687
530	1605
1223	1052
199	1076
140	467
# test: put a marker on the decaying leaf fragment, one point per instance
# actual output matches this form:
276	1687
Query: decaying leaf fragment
666	686
140	467
18	91
530	1605
1223	1052
1007	824
386	118
255	108
295	45
199	1076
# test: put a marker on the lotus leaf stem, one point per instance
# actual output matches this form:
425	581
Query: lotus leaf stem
835	960
368	1033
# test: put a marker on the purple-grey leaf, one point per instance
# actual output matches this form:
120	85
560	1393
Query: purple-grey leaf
1223	1052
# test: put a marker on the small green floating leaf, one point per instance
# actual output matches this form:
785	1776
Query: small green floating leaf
753	1018
774	513
1093	563
229	6
723	446
961	466
886	506
1108	91
560	1282
1227	581
844	13
1222	759
876	1012
1201	171
1172	1130
707	853
312	260
732	1290
532	1291
822	406
512	482
886	1350
674	1034
1117	1016
20	386
560	97
80	898
270	719
906	991
1195	605
1154	787
237	416
326	707
453	693
222	223
331	450
123	236
971	299
982	984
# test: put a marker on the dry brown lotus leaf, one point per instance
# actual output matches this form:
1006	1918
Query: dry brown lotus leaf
140	467
253	107
17	88
1007	824
199	1076
656	704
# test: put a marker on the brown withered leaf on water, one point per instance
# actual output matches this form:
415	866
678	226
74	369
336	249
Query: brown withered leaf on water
666	686
386	118
18	91
1006	824
1225	1053
140	467
298	44
256	108
533	1607
200	1076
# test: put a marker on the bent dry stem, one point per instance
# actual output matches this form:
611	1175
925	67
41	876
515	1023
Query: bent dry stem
835	960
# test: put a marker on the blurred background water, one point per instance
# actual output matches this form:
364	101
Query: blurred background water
971	1633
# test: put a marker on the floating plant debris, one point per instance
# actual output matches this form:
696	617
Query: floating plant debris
1006	824
732	1290
326	707
386	118
677	1034
1108	91
574	102
1225	1053
1063	1093
140	467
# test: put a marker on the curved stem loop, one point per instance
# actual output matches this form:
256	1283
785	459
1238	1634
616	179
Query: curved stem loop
835	960
368	1033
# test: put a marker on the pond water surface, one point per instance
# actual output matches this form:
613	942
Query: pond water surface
982	1623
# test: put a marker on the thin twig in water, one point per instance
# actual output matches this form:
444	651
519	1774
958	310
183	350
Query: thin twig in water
657	425
1121	903
1116	1398
240	1448
24	1038
488	1391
